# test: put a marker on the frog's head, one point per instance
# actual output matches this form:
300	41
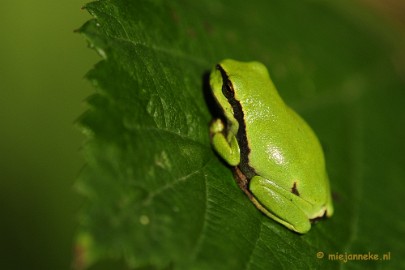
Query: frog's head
241	82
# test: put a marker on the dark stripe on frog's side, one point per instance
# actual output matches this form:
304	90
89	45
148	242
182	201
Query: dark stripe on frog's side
229	93
294	189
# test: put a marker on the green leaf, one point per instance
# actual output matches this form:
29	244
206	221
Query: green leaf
156	194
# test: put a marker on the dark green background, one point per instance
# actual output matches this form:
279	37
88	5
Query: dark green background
42	65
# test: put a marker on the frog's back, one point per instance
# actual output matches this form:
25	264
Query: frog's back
282	147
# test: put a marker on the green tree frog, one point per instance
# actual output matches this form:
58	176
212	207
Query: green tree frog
277	159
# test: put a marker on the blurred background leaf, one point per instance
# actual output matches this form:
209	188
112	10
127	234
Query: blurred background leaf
157	196
338	65
42	65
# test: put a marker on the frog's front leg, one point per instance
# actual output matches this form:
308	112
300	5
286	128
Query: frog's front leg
278	204
227	148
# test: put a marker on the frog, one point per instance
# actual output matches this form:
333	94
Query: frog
276	157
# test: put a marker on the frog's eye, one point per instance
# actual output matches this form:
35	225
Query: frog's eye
227	89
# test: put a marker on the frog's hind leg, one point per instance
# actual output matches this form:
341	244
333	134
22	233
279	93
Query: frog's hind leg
277	205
